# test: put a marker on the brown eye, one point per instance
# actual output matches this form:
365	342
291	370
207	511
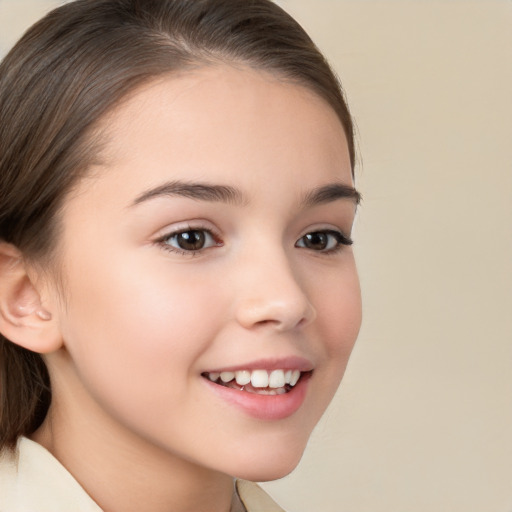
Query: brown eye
323	241
317	241
190	240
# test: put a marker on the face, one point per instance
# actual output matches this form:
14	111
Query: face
212	299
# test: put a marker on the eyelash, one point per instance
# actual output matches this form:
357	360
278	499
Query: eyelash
163	241
341	240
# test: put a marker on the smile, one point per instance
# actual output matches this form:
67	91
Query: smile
261	382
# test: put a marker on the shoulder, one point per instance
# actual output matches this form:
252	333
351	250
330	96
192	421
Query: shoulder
255	499
31	479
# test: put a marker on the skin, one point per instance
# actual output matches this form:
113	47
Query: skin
139	323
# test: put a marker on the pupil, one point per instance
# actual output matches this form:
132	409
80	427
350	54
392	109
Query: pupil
316	240
191	240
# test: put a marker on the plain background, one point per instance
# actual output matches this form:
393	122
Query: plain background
423	420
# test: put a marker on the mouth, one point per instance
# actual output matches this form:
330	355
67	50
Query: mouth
259	382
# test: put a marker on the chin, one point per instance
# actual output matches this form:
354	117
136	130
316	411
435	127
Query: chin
269	476
269	466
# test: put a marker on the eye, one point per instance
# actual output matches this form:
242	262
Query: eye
188	241
326	241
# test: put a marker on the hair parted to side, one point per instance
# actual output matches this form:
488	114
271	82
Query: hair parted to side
68	71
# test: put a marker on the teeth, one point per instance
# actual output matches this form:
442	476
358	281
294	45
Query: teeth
295	377
243	377
227	376
259	378
276	380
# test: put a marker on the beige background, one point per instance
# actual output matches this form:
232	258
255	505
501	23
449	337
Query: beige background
423	421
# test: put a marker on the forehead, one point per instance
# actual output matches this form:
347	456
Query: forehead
226	123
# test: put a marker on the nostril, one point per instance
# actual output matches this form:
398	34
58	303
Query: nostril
303	322
280	316
263	323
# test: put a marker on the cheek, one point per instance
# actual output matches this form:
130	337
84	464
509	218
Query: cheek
135	331
338	306
336	296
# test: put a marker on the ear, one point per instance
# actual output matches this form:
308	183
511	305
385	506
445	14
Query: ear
24	319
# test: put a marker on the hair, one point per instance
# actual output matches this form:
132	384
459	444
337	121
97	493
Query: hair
66	73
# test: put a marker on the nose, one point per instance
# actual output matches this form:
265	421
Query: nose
271	295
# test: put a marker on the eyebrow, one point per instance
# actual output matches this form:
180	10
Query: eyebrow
331	192
227	194
200	191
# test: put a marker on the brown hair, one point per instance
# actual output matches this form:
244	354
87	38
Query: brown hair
71	68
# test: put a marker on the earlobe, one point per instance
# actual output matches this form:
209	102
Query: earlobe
23	318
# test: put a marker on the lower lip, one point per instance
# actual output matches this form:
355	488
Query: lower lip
264	407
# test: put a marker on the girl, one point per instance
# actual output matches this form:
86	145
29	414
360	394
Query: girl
178	294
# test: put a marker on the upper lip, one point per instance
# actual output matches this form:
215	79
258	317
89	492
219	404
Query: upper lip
286	363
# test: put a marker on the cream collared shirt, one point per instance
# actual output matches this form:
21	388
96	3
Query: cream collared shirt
33	480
